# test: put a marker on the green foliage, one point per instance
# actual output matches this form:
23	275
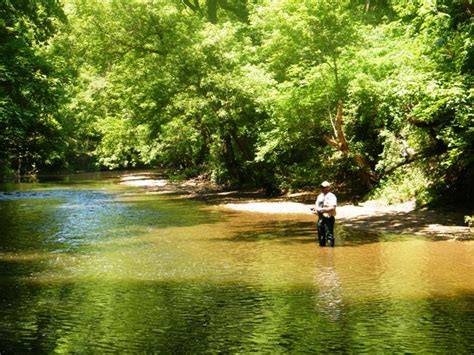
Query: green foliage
29	89
275	94
403	185
468	220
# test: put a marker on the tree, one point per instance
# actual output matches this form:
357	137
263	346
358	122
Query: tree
211	8
309	49
29	88
277	97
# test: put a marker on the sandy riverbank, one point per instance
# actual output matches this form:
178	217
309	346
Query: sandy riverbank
403	218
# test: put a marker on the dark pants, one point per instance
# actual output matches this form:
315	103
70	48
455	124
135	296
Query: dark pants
326	231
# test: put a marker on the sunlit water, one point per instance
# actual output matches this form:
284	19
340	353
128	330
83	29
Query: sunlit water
91	267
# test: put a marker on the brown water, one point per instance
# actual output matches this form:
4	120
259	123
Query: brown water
88	266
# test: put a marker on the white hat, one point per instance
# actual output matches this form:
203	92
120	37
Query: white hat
325	184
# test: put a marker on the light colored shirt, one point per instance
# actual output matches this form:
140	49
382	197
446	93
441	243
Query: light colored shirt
327	200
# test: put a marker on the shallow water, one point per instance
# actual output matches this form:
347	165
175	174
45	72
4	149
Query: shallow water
88	266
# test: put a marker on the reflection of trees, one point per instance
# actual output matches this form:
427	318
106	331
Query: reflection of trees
193	317
26	223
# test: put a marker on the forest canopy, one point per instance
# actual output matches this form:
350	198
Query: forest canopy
375	95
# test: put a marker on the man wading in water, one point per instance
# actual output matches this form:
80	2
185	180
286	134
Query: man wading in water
326	209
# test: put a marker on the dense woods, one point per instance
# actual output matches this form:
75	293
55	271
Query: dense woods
375	95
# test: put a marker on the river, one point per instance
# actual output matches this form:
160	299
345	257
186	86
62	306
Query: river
89	266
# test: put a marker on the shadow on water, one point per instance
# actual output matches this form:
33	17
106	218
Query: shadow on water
193	317
285	231
294	231
356	231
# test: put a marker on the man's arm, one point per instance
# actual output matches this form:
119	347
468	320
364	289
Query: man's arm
327	209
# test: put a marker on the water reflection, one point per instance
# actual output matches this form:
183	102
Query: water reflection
92	270
200	317
329	299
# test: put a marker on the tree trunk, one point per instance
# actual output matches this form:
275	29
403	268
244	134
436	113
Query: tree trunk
339	142
18	172
230	160
212	11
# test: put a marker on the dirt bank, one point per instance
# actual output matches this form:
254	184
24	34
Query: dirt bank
403	218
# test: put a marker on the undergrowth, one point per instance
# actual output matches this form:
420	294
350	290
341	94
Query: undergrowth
407	183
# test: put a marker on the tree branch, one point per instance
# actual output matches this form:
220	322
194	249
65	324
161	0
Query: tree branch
402	163
127	47
331	141
341	137
212	11
340	143
193	6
